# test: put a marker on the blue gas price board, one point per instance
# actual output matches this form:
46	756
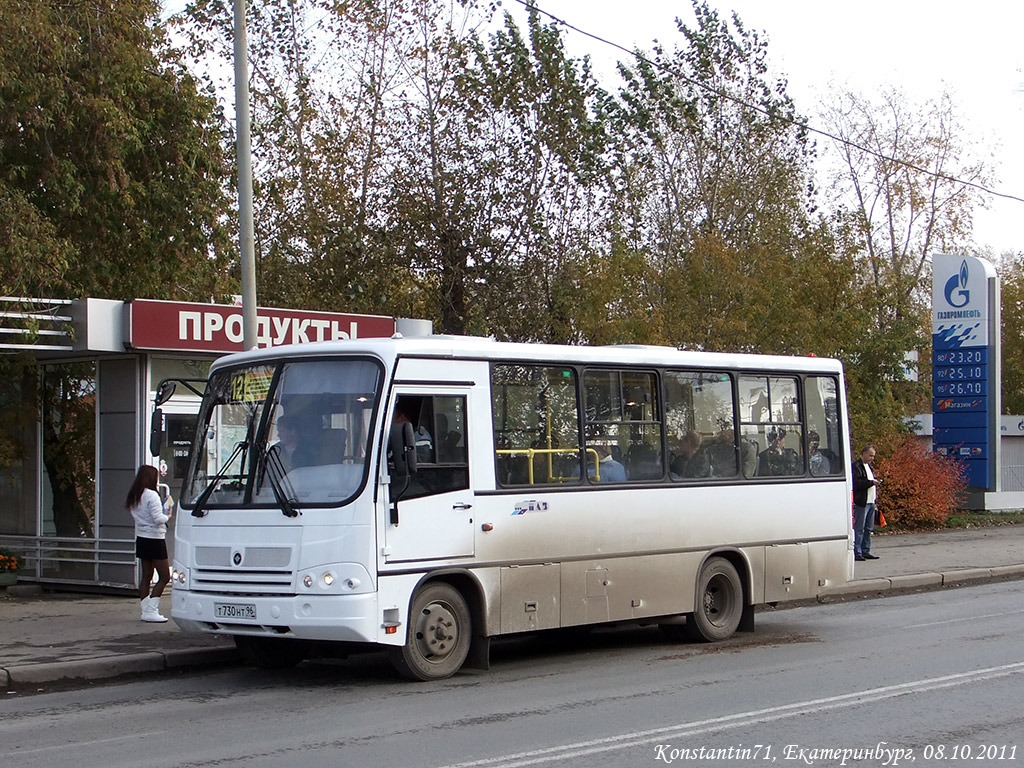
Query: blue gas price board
964	384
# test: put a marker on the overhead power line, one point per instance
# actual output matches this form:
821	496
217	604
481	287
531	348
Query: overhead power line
530	5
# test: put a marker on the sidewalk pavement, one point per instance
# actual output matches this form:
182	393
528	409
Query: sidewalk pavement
67	637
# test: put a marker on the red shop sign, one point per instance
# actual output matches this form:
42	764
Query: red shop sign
185	327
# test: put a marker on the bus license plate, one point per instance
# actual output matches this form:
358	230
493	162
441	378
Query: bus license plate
234	611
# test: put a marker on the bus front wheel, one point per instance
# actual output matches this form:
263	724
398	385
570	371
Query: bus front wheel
719	603
439	634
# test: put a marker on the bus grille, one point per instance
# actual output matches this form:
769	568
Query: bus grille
236	581
242	570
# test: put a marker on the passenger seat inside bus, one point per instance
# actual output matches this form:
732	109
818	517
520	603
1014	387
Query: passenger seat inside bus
448	449
643	463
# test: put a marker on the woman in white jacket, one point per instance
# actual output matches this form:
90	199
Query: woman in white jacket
144	503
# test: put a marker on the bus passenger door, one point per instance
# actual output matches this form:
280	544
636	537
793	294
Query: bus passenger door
433	516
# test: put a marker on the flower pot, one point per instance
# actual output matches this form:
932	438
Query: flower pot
8	578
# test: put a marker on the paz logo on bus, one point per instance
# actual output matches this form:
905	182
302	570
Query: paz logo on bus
522	507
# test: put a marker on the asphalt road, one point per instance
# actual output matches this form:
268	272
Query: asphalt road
905	680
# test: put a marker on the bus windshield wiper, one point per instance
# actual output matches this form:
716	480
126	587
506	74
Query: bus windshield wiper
198	510
274	467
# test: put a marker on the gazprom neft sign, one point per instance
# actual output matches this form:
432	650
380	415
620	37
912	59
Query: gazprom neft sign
965	365
172	325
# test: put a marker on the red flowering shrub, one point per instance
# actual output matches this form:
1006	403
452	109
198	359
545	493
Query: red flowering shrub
919	488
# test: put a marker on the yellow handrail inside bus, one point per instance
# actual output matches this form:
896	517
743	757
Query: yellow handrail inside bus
529	453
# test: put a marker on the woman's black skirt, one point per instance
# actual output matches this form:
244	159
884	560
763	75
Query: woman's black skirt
150	549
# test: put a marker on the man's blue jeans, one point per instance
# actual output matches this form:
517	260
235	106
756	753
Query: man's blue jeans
863	525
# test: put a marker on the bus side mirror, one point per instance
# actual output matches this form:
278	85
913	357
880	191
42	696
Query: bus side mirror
156	432
402	445
164	392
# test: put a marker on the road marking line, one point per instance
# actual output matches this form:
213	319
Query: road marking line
966	618
77	744
635	738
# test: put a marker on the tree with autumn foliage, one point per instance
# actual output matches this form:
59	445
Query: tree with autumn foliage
905	178
920	489
713	204
1011	275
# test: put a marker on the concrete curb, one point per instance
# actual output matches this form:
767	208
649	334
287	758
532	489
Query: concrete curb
1008	570
865	587
21	676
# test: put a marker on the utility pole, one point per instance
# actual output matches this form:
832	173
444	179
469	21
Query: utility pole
246	238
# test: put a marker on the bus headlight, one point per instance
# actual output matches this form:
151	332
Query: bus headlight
179	577
336	579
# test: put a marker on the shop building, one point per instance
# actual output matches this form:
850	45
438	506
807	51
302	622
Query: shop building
99	364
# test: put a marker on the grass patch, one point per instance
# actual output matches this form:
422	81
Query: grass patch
984	519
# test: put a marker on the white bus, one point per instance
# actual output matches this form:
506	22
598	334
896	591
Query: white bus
446	490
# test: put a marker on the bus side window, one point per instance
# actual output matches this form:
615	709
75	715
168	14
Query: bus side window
535	420
623	415
824	438
700	427
439	426
770	413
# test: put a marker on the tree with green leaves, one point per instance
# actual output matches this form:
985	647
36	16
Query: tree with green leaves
490	185
713	171
113	174
327	80
112	185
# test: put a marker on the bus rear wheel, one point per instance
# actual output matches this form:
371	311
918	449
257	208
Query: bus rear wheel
719	602
439	634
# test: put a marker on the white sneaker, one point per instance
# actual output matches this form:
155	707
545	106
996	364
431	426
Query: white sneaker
151	610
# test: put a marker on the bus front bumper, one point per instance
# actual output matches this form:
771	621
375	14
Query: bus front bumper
336	618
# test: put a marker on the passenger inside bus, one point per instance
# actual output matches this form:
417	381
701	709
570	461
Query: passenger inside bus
819	461
608	469
778	459
721	453
692	460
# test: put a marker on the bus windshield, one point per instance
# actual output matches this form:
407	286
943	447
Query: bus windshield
289	435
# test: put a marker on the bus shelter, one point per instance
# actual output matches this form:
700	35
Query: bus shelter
78	384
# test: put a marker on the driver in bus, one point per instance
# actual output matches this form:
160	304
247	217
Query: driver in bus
424	440
282	453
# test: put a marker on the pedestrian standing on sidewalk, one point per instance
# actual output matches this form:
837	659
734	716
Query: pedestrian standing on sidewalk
864	482
144	503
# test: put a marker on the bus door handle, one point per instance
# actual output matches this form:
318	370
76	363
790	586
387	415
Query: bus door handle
462	505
